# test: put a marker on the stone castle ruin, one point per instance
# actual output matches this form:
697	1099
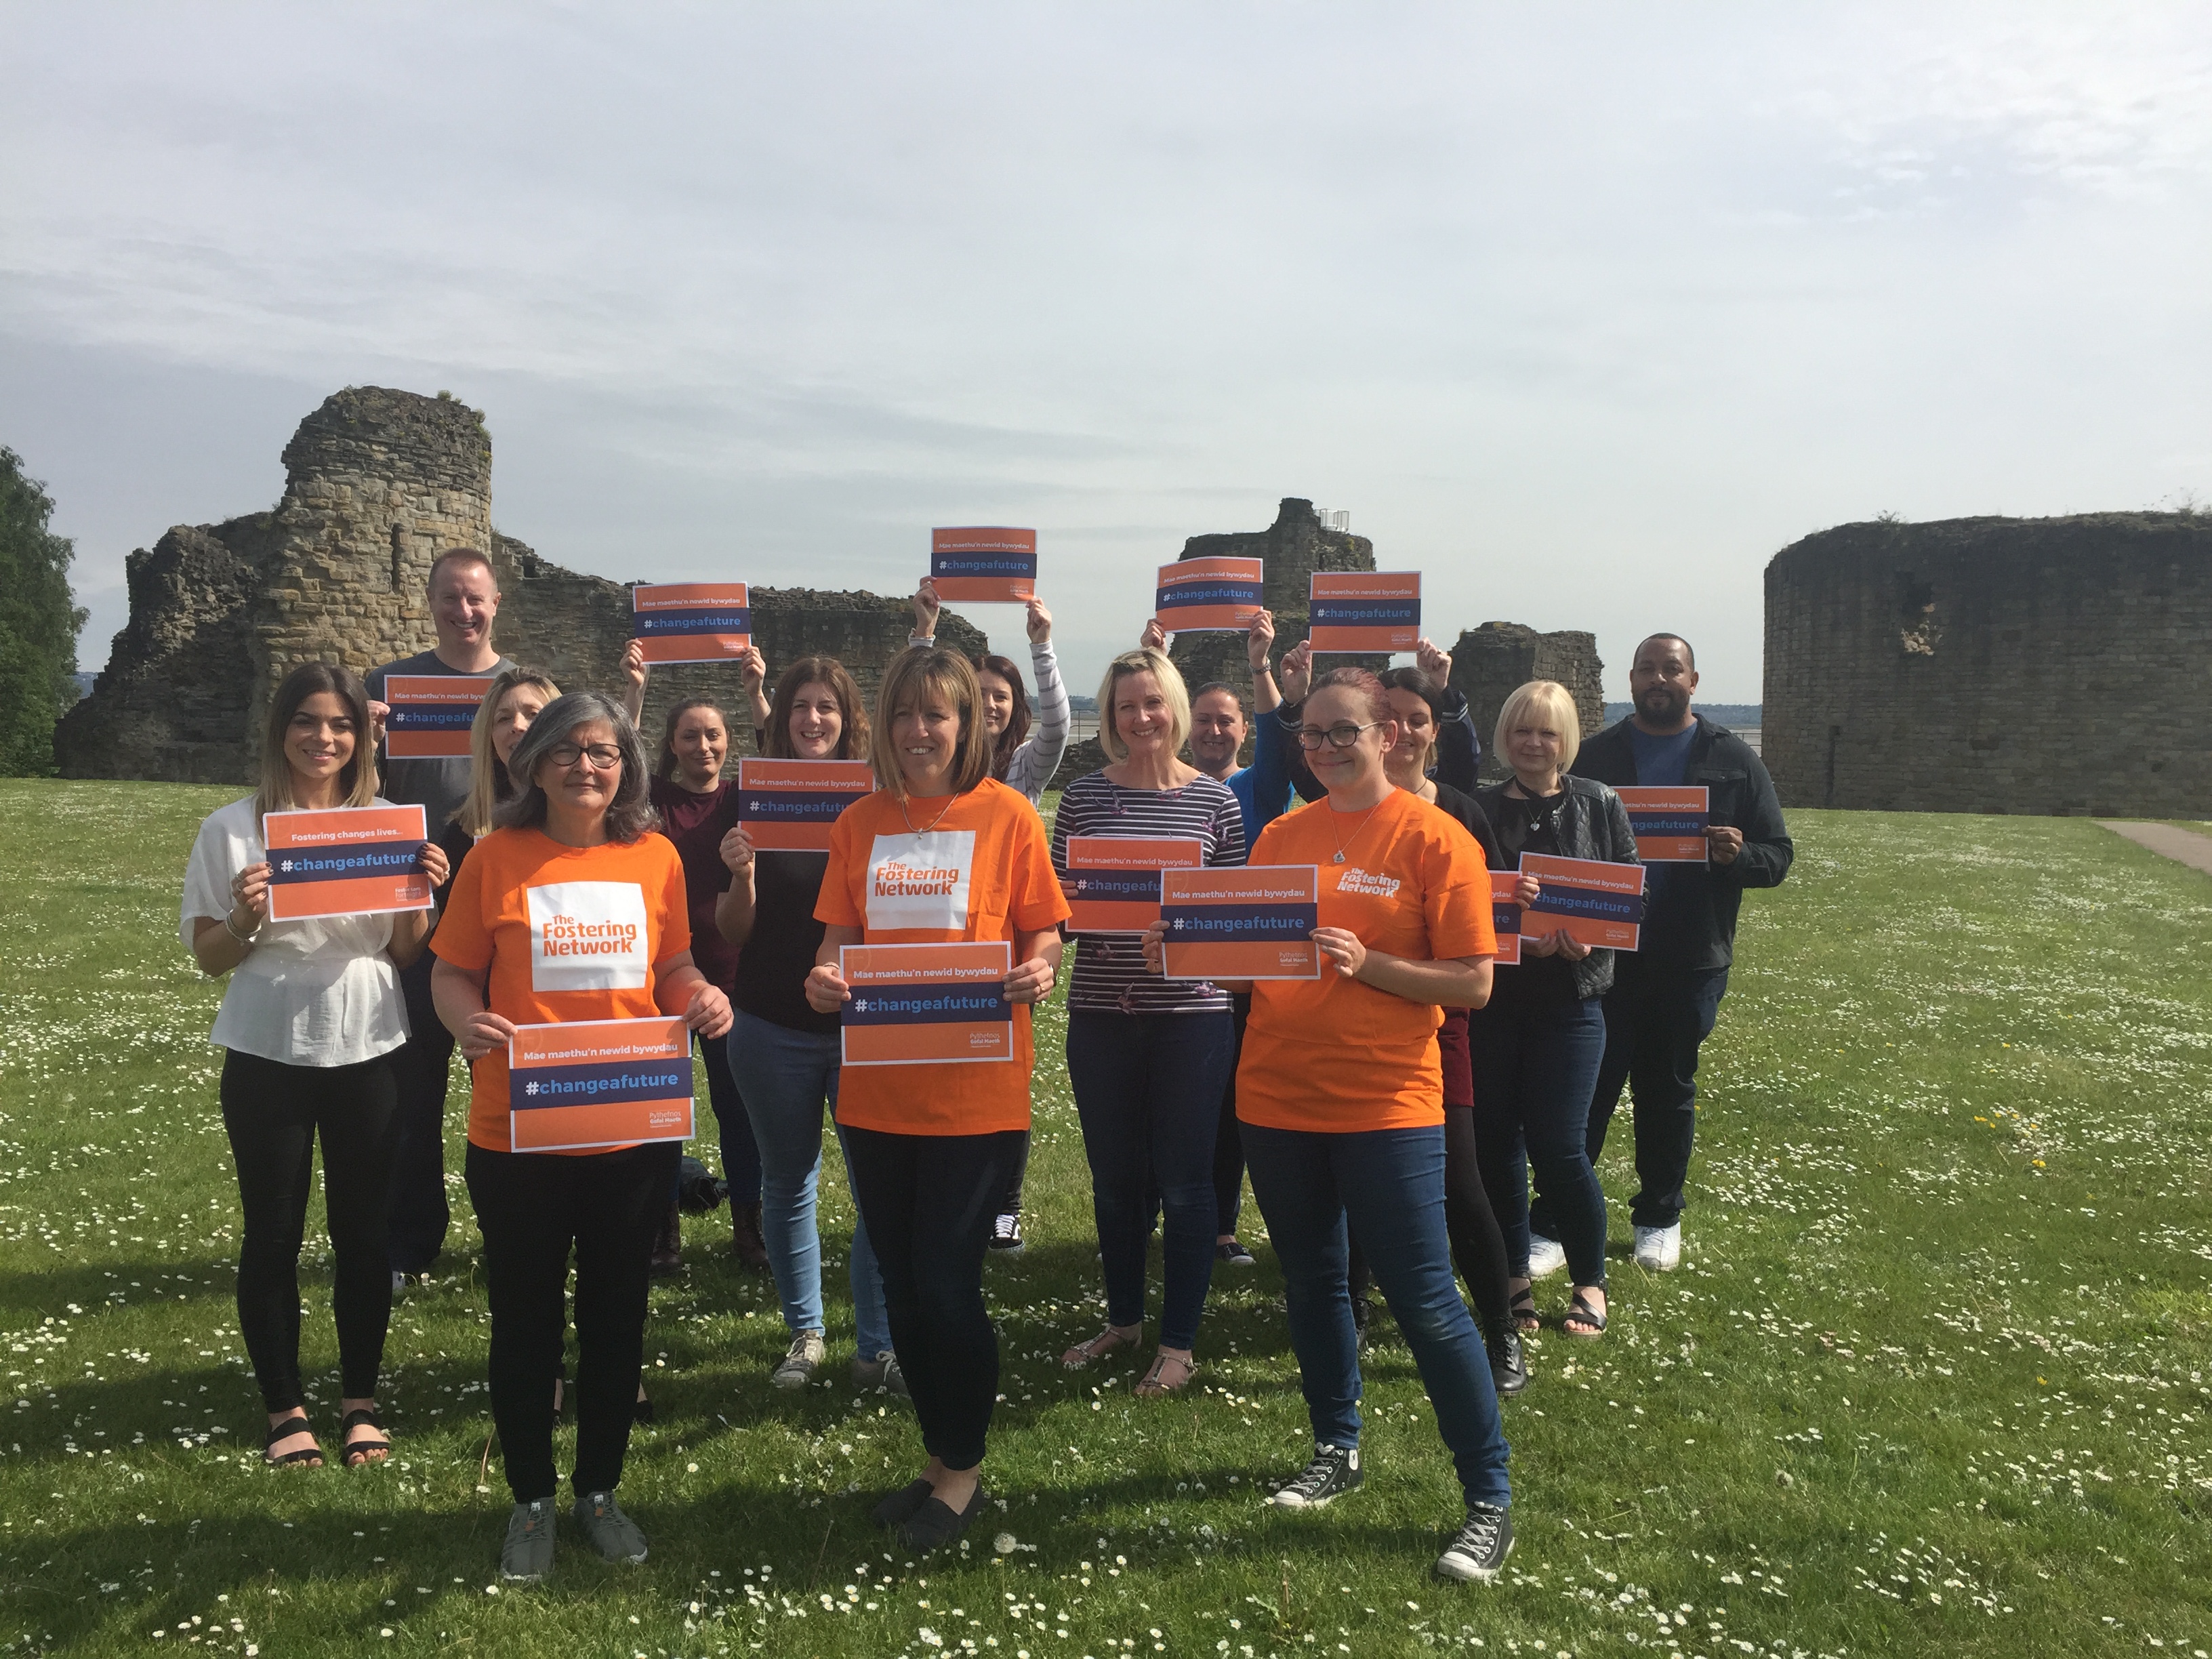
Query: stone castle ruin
378	483
2038	666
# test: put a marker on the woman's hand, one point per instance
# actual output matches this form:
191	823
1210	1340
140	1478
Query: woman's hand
1434	663
378	714
1295	673
737	852
708	1012
1156	947
1526	890
1030	982
752	668
1155	637
924	608
435	865
1342	946
1038	622
634	668
483	1032
826	990
1570	948
249	894
1258	641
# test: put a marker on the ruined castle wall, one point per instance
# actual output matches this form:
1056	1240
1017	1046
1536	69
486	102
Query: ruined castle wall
2044	665
1490	663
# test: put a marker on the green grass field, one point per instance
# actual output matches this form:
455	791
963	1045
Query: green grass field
1933	1379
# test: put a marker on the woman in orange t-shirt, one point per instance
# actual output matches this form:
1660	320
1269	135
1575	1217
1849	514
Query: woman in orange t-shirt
1340	1102
942	852
572	910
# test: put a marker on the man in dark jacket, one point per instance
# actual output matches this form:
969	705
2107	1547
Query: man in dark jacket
1666	996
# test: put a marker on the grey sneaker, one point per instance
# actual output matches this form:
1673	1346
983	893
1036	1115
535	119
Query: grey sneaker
527	1556
797	1368
607	1530
882	1372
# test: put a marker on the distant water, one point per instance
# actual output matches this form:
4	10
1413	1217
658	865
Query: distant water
1739	716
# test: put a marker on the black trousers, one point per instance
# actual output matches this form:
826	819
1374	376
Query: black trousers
1227	1143
273	1112
929	1201
534	1208
1656	1018
419	1214
1478	1247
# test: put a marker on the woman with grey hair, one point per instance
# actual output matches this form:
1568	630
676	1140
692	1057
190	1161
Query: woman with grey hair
571	910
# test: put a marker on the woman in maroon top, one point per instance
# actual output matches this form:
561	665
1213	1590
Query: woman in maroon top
698	805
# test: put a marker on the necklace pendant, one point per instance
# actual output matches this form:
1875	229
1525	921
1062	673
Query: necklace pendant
1337	860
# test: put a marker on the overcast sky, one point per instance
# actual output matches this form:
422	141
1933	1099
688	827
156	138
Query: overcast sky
1581	311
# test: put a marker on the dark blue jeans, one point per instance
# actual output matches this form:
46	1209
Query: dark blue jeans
1148	1089
1535	1066
1390	1184
1656	1020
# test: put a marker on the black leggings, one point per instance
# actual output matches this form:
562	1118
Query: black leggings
929	1201
1478	1247
532	1207
273	1113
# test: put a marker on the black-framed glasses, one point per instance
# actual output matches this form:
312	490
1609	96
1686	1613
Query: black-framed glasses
1342	735
603	756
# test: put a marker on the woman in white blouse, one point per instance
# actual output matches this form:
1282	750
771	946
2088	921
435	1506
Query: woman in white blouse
308	1022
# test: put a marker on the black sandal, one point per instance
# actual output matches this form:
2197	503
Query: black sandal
1522	1310
933	1526
309	1455
1581	1310
358	1452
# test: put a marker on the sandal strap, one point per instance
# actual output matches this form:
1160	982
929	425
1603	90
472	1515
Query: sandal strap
295	1423
353	1420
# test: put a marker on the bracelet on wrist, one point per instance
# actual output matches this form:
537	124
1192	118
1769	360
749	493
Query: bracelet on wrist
230	926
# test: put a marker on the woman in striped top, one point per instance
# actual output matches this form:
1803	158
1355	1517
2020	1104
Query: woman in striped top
1149	1056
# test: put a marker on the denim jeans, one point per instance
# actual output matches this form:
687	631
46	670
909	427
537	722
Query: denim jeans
1656	1020
1389	1183
929	1201
784	1078
1534	1065
1148	1089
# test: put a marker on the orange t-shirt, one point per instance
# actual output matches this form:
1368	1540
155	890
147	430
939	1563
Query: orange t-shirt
568	932
1332	1055
982	872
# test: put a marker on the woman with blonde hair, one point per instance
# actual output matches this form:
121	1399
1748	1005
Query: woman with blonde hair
942	852
1536	1045
309	1022
1149	1057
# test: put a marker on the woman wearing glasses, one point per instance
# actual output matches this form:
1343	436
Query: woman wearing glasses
571	909
1340	1097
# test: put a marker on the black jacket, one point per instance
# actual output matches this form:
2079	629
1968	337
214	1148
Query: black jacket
1593	824
1693	925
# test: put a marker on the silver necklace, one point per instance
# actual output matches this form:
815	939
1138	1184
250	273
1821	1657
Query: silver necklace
1341	844
952	801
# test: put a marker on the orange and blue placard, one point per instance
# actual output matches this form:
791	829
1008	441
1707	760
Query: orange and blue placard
1198	596
431	714
928	1004
1670	824
1505	916
1252	922
1364	609
346	862
692	621
788	805
1597	904
1116	879
596	1083
987	564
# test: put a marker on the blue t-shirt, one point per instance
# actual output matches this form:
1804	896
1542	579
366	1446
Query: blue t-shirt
1662	763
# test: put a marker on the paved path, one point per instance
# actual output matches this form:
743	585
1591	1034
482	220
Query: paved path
2184	846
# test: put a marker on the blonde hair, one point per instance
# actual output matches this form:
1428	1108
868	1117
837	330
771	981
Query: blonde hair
1548	701
950	676
488	784
1143	660
357	780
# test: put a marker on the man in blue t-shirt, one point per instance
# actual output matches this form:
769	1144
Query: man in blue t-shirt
1666	996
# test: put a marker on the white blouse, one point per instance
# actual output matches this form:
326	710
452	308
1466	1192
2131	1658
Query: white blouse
321	992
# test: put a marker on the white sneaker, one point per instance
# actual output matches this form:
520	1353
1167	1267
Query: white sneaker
1545	1256
1659	1249
797	1368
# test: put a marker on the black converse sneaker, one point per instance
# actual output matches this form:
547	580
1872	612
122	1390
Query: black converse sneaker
1334	1469
1478	1554
1006	1235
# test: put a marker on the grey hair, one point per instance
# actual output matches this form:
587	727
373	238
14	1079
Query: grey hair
628	816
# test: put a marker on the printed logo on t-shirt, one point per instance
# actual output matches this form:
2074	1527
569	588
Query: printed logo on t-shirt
920	880
1357	880
588	936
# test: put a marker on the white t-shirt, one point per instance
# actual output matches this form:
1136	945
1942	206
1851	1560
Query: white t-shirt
321	992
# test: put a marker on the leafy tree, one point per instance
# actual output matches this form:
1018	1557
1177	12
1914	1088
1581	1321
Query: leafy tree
38	625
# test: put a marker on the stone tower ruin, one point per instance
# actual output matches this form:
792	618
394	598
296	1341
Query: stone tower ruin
1490	663
2038	666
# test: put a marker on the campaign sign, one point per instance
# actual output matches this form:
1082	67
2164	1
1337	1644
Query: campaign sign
928	1004
985	566
1116	879
1256	922
1670	824
347	861
597	1083
788	805
1505	916
1598	904
1364	609
692	621
431	714
1196	596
